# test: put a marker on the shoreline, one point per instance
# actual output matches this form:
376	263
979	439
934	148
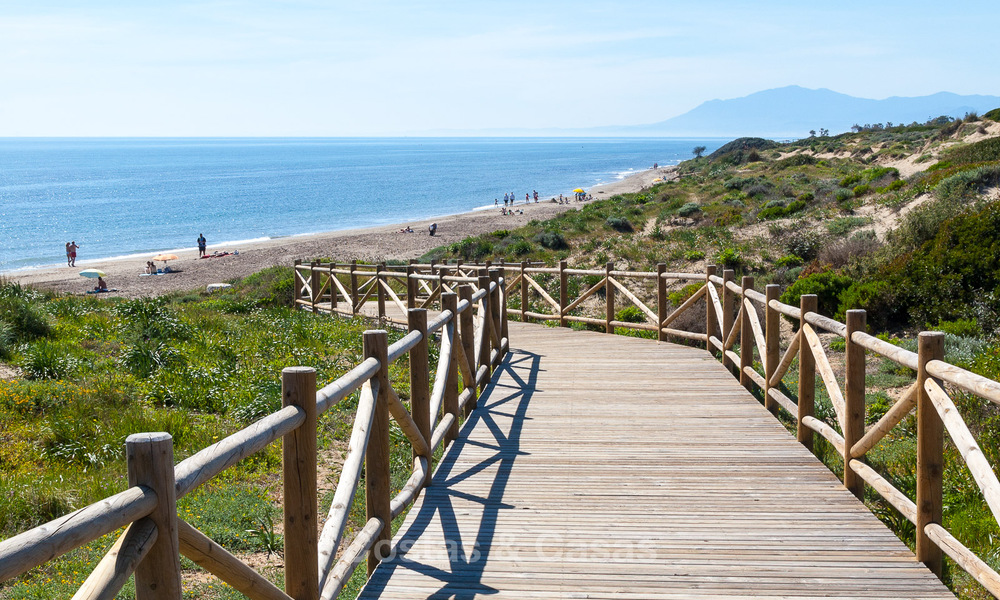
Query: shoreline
376	243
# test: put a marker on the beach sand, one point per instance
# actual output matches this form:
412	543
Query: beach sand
366	245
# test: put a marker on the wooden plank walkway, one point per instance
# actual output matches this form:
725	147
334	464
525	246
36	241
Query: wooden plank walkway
603	466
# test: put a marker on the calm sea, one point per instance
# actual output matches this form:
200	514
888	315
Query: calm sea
119	197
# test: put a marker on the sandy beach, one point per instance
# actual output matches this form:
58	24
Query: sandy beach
367	244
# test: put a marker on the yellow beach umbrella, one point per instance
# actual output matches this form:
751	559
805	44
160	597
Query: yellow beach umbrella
165	257
578	191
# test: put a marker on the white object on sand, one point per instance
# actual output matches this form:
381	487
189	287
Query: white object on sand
213	287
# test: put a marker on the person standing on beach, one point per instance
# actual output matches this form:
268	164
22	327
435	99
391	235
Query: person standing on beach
69	260
202	244
535	194
71	249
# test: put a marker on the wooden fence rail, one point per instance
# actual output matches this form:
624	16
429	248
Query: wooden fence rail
155	536
743	328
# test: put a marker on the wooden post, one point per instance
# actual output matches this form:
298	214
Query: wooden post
710	322
314	282
354	287
524	292
661	301
504	327
377	476
746	337
495	309
563	293
411	287
333	289
458	266
298	465
467	325
609	299
420	404
379	290
444	272
298	282
449	403
728	313
930	452
854	400
807	374
484	350
151	463
772	341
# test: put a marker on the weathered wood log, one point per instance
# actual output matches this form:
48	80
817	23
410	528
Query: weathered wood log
893	496
980	468
218	561
746	333
964	557
684	306
441	430
298	460
113	572
377	471
467	337
711	318
449	400
826	323
730	320
890	419
413	485
407	424
371	534
786	360
788	311
854	399
826	431
783	401
717	307
150	459
445	316
758	332
698	337
772	341
970	382
441	374
827	374
734	331
807	375
46	542
930	454
345	385
350	475
755	377
661	300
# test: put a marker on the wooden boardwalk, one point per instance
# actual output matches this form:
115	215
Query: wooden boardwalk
610	467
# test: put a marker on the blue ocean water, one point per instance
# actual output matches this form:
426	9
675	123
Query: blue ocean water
118	197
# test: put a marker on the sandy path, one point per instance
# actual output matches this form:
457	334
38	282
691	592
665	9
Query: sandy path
371	244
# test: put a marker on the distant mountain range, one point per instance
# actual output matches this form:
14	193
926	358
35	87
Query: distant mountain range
788	112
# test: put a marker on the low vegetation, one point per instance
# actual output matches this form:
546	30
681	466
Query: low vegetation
199	367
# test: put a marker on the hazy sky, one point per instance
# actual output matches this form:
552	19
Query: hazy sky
371	67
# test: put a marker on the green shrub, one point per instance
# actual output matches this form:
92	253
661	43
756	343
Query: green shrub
24	317
827	285
8	337
843	194
844	225
619	224
730	258
519	248
959	327
805	244
967	184
45	360
689	209
631	314
788	261
694	255
982	151
774	212
861	190
553	240
850	180
993	115
806	197
678	297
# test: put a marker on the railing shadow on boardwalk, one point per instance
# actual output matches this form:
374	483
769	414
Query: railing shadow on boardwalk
467	560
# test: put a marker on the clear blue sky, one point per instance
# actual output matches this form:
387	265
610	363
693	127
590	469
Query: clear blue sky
372	67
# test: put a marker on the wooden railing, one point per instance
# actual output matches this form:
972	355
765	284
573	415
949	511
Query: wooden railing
738	317
155	536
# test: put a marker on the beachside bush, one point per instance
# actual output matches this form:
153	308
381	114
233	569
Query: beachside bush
982	151
993	115
827	285
806	197
730	258
270	287
843	194
619	224
47	360
689	209
519	248
8	337
694	255
788	261
24	317
861	190
631	314
967	184
553	240
805	244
